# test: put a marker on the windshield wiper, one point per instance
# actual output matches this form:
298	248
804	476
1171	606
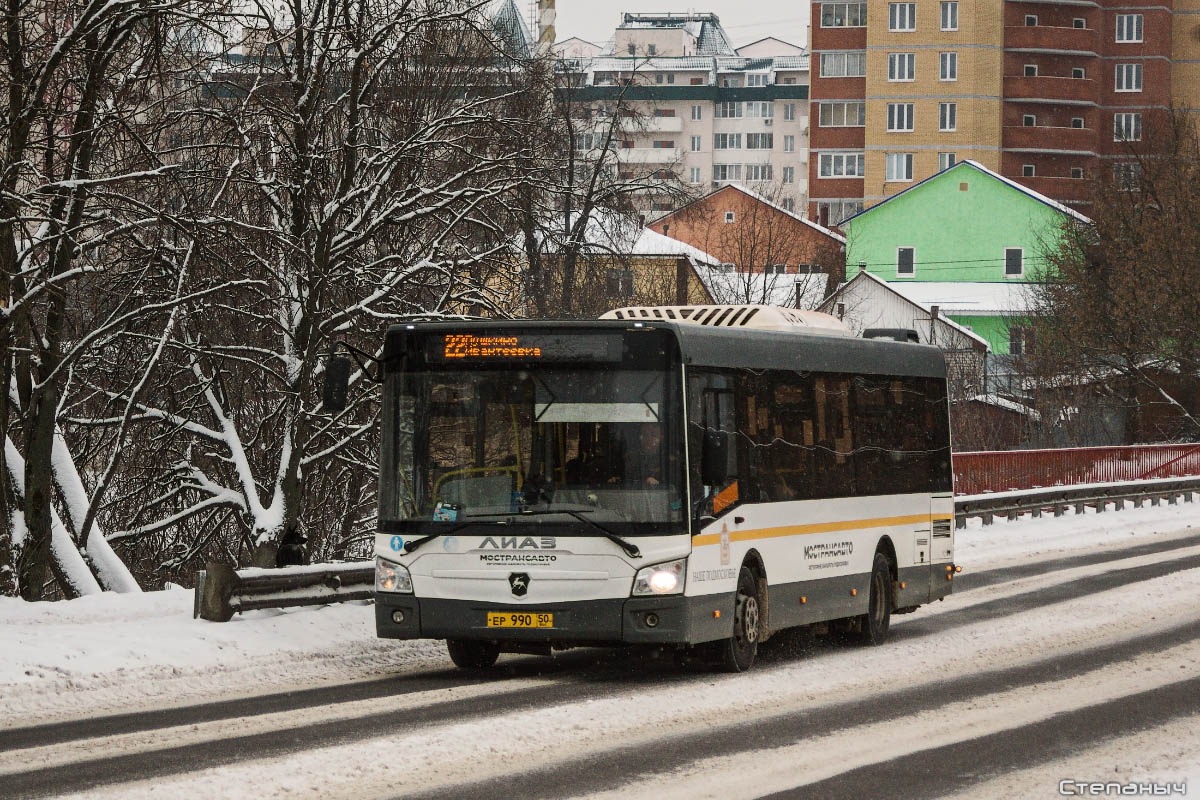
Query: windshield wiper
411	545
629	547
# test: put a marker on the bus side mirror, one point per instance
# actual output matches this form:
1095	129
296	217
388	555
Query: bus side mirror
337	383
714	458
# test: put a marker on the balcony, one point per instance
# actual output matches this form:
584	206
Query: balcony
648	155
1064	190
1045	38
1067	91
1049	139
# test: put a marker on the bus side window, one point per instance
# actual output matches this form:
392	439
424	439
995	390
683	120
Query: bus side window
710	407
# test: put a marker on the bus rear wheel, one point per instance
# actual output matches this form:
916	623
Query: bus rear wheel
472	654
738	651
874	625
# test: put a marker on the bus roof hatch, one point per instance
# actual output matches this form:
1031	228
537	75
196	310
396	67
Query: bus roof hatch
757	317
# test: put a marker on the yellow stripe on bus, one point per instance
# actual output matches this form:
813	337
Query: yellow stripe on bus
816	527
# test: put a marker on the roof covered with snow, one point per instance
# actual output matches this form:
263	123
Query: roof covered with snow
901	290
966	298
772	289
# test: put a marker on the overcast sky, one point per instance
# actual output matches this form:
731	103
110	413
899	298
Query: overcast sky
745	20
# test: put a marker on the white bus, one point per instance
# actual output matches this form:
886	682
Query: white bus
694	478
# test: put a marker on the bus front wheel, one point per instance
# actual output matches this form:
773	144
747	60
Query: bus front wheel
472	654
739	650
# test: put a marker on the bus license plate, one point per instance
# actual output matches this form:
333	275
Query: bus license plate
520	620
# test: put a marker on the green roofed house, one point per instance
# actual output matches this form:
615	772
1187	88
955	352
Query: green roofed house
964	245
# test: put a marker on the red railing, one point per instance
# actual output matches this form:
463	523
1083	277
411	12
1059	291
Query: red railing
1001	470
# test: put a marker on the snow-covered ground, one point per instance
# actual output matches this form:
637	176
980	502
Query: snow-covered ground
113	653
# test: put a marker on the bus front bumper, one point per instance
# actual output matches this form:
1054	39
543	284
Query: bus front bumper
672	619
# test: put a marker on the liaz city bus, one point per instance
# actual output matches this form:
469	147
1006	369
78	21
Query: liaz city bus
694	478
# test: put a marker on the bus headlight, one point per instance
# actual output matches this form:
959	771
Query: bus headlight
661	578
391	577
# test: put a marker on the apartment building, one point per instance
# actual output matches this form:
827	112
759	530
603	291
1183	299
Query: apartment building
699	112
1046	92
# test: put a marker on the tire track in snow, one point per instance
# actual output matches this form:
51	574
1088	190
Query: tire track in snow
613	677
564	663
939	771
623	770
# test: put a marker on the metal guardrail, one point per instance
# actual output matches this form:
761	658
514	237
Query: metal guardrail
1057	499
222	591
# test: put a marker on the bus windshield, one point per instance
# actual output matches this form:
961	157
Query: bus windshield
541	445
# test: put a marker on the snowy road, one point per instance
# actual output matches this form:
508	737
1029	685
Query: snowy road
1071	650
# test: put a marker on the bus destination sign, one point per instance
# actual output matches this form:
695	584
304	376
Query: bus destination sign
525	347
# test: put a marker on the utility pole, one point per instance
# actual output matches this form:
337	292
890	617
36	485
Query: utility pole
546	17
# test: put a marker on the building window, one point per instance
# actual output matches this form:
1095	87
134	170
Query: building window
1126	174
757	110
696	140
664	144
950	16
697	112
1028	171
905	261
899	116
789	144
758	172
1031	70
1127	127
730	217
1129	27
1077	173
946	161
901	66
727	172
664	112
831	212
728	110
756	79
1031	20
789	204
731	82
789	112
789	174
949	66
760	141
843	115
840	165
1076	122
1078	73
1014	262
1129	77
631	49
899	167
902	16
659	77
696	81
843	15
1029	120
1079	23
844	65
947	116
727	141
651	49
694	175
